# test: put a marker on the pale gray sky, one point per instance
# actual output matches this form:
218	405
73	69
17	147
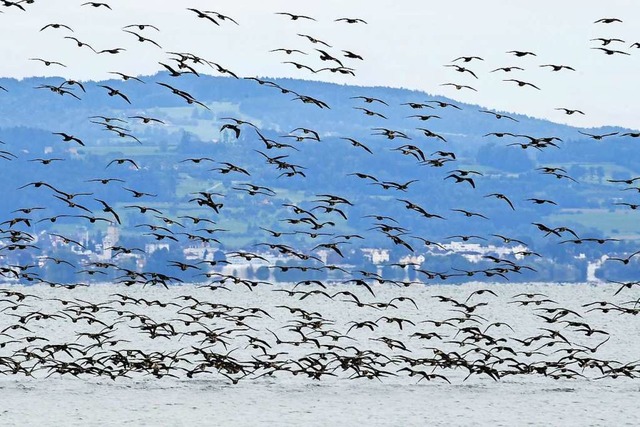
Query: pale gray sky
405	44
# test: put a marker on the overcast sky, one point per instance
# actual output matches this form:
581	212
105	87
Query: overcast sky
406	43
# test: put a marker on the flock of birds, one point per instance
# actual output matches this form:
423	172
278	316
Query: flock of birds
188	333
46	332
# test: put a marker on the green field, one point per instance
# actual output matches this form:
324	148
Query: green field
620	223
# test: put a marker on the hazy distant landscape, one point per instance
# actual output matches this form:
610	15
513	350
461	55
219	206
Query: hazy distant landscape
586	206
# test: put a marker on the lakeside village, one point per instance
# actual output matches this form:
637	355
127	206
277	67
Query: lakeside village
77	258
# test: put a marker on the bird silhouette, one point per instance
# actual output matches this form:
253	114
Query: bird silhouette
522	83
56	26
295	17
96	4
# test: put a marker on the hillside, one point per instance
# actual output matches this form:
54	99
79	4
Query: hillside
585	200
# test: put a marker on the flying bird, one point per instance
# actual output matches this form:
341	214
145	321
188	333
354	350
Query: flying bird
67	138
462	69
222	17
459	86
606	42
356	143
141	27
113	51
314	40
114	92
142	39
555	67
521	53
288	51
610	51
96	4
122	161
56	26
607	20
351	20
295	17
498	115
47	62
502	197
522	83
507	69
468	58
598	137
204	15
369	99
569	111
